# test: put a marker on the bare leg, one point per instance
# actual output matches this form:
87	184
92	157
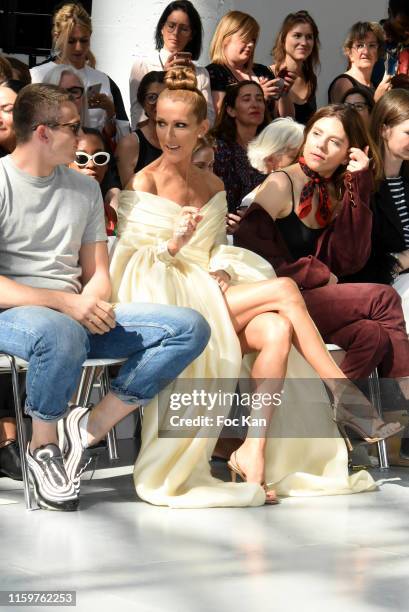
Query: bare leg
282	295
43	433
102	418
271	335
8	430
105	415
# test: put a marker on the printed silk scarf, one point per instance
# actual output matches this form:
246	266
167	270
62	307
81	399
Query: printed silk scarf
323	213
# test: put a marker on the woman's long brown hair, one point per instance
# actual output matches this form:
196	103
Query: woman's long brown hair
313	61
357	133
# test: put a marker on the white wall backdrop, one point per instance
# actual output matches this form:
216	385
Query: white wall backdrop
333	17
124	29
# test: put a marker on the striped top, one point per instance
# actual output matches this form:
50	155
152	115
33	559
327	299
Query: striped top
397	189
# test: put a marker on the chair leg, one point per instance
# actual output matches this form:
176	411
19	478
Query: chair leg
89	385
21	434
111	435
375	395
81	386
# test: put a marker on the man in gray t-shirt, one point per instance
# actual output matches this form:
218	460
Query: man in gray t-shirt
54	299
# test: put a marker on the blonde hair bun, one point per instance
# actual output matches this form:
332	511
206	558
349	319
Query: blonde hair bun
181	77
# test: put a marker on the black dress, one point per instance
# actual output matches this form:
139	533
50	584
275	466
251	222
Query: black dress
221	76
147	152
304	111
354	83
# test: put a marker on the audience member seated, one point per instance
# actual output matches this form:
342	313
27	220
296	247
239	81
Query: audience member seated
92	159
296	49
54	306
20	70
178	38
203	153
9	452
389	261
232	55
363	46
313	222
277	146
243	115
141	147
361	101
69	78
8	94
71	34
171	249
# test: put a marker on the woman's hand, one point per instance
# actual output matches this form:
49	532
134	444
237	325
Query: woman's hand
184	229
103	101
175	59
289	80
233	221
358	159
272	88
222	278
384	86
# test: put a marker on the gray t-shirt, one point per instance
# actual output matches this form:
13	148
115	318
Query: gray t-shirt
43	223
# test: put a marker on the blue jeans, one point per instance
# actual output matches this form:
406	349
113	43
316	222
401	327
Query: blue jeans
158	341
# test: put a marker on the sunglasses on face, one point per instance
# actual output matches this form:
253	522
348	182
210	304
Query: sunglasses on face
75	92
101	158
74	127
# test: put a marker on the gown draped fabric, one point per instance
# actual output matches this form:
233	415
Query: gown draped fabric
175	471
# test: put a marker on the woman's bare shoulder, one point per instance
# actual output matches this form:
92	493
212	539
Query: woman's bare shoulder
142	181
215	183
275	193
206	181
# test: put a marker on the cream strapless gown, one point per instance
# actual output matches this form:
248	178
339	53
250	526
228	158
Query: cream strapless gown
175	471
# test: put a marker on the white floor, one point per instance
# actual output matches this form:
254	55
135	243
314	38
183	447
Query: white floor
338	554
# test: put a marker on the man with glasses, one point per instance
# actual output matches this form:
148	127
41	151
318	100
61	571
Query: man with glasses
54	298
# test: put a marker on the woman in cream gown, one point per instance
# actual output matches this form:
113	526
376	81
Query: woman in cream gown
175	471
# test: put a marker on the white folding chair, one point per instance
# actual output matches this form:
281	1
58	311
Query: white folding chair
89	380
13	365
10	364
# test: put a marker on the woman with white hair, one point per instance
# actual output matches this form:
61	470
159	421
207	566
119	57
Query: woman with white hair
276	146
70	79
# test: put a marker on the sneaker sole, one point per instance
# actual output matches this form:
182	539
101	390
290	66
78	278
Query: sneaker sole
74	450
44	504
